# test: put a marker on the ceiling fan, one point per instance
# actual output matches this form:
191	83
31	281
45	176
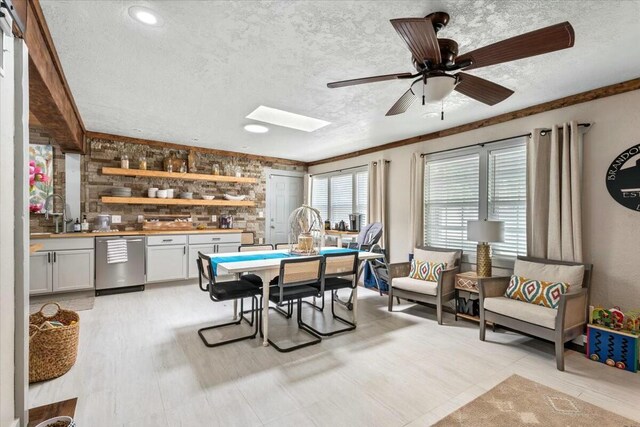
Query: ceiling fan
434	59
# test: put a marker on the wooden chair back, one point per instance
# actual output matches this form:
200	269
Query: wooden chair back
251	248
300	271
247	238
437	249
340	264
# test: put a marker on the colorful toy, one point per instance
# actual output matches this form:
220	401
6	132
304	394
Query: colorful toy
615	319
618	349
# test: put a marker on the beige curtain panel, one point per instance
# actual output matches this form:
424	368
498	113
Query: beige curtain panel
554	193
377	208
416	202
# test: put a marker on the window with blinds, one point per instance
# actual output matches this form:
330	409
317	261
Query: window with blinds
507	198
451	199
483	182
338	194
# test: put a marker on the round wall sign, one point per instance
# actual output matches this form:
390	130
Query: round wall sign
623	178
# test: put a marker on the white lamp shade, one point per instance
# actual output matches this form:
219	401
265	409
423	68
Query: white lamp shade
485	231
436	89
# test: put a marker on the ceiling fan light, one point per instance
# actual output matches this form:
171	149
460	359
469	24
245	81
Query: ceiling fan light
436	89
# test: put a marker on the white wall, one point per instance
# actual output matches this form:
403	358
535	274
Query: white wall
611	231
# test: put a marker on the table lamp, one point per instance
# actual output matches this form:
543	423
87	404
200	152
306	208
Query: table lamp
484	232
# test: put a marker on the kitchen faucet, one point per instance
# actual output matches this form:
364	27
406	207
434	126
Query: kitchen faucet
56	215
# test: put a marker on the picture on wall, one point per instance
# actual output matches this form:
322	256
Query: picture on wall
40	176
623	178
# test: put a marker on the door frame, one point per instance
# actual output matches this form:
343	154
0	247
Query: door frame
269	172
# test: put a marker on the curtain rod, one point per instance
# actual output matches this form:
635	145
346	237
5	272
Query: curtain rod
346	169
482	144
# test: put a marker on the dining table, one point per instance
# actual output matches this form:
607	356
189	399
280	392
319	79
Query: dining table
268	268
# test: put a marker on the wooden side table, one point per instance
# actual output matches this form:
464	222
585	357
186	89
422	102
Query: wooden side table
467	282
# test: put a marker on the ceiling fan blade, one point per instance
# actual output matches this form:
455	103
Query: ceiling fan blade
373	79
402	104
538	42
481	90
420	37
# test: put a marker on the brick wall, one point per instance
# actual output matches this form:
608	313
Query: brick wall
107	153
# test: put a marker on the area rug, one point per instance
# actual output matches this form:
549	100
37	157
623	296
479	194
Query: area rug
518	401
75	304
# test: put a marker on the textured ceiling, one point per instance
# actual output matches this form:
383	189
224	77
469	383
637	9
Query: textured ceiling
193	80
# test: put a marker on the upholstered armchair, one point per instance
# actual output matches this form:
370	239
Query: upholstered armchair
557	325
437	293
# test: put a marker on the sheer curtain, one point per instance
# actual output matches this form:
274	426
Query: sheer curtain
416	201
554	193
377	190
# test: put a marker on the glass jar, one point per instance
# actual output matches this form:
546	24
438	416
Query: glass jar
169	166
183	167
238	172
124	161
142	163
215	169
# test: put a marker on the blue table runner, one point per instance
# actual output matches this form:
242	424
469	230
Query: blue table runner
267	255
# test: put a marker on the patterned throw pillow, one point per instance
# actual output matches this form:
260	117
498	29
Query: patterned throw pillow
424	270
537	292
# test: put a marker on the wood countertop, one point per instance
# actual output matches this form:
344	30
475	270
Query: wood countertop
35	236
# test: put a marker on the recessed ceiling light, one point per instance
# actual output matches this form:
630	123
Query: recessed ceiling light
144	15
286	119
256	128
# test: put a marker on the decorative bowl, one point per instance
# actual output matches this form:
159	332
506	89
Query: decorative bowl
234	198
186	195
162	194
50	421
205	197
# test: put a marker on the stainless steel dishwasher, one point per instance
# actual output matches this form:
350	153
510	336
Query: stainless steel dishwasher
128	276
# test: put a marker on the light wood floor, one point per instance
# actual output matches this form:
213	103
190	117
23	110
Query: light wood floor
141	363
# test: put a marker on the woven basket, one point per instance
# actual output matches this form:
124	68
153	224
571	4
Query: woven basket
52	352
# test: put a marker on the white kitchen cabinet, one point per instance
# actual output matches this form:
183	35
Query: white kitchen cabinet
62	265
73	270
40	273
166	263
193	256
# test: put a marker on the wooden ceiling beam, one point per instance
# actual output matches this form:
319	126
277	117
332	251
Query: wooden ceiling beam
50	99
567	101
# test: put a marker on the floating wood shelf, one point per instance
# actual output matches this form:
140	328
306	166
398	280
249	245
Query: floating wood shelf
179	202
177	175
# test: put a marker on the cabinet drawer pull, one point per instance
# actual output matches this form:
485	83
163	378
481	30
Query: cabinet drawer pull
184	250
48	257
215	239
54	257
167	240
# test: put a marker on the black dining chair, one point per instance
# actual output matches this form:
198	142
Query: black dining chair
339	271
299	278
228	291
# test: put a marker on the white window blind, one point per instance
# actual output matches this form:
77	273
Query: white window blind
341	198
338	194
451	199
507	198
320	196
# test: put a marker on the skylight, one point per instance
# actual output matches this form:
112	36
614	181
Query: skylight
286	119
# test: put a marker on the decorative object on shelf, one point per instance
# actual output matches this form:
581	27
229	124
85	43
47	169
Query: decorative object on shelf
238	172
191	159
173	164
124	161
225	221
618	349
52	351
186	195
168	166
327	224
167	222
162	194
305	231
215	169
183	167
121	192
170	193
208	197
152	192
236	198
623	178
142	163
484	232
40	176
180	202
